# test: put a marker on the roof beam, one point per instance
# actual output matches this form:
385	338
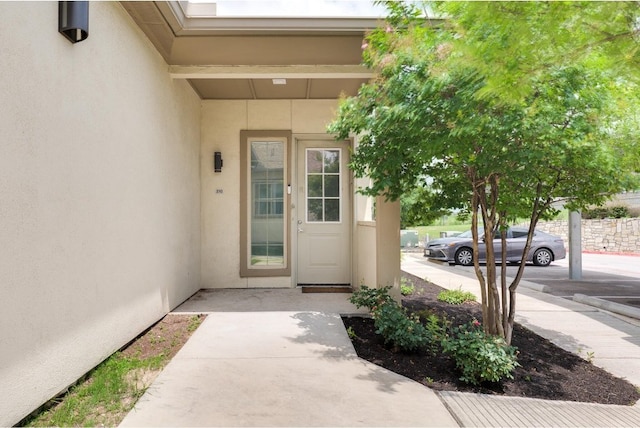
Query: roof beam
270	72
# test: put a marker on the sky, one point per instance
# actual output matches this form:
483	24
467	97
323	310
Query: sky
296	8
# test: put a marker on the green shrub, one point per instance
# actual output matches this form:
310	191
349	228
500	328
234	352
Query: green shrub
480	357
403	331
437	328
436	324
406	287
406	290
398	328
370	297
456	297
619	212
614	211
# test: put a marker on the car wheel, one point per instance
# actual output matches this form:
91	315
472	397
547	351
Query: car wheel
542	257
464	256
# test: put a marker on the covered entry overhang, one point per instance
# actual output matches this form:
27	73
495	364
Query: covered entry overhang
257	58
265	75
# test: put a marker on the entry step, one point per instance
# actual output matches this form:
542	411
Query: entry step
321	288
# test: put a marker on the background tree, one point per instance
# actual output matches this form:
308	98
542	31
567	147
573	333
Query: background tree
513	45
435	111
420	206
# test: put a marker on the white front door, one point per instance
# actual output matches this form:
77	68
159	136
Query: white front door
323	213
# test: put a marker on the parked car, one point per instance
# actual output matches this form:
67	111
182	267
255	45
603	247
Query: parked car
545	248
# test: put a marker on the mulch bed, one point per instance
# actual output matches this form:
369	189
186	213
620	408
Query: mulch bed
546	371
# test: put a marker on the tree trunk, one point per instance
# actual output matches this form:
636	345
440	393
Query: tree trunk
505	296
491	310
476	266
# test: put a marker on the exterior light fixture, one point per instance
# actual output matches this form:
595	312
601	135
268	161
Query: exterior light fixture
73	20
279	81
217	162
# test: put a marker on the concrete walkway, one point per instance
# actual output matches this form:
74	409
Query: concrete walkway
289	366
283	358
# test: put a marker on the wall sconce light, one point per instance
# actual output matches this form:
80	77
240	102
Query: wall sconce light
217	162
73	20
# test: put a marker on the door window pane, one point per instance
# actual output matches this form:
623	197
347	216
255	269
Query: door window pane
314	212
332	161
323	185
314	183
332	186
314	161
267	190
332	210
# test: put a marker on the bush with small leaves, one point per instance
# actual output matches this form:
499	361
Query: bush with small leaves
370	297
402	330
407	289
480	357
615	211
406	286
456	297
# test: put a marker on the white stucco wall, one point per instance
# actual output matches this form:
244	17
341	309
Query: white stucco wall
222	122
366	255
99	196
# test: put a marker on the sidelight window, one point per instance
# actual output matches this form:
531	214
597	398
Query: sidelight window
265	178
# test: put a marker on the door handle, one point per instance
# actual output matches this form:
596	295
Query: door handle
300	230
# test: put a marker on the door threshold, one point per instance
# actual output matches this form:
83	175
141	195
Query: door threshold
326	288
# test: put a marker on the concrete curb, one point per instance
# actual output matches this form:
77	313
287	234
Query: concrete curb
612	253
534	286
616	308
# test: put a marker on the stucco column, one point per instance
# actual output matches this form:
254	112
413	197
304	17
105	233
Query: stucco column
388	245
575	245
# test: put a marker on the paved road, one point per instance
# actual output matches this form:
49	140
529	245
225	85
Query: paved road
609	277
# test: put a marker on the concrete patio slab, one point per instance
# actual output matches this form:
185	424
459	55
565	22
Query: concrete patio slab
266	300
281	369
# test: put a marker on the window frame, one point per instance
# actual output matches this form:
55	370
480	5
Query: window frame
323	174
247	203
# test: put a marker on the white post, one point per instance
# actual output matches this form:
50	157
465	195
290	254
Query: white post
388	246
575	245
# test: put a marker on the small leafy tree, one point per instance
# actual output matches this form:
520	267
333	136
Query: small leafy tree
499	155
419	206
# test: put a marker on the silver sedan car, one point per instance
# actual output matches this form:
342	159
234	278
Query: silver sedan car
545	247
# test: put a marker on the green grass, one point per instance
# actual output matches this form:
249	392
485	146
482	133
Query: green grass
112	387
194	323
107	393
434	231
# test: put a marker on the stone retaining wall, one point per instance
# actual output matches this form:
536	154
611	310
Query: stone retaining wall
607	235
